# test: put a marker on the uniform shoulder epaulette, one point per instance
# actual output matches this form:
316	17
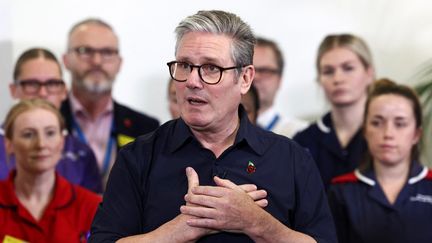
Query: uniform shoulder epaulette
429	175
346	178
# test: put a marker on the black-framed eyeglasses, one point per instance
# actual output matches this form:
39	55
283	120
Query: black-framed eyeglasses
86	52
209	73
33	86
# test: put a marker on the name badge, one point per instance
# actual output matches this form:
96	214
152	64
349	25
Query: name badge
124	139
11	239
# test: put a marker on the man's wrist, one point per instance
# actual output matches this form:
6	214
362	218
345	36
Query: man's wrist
265	227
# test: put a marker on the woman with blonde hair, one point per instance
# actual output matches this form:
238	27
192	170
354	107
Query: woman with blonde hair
345	71
36	203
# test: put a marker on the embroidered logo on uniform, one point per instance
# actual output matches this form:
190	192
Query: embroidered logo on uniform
251	168
422	198
70	155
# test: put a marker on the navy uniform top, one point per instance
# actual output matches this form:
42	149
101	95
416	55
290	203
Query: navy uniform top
147	184
332	160
363	214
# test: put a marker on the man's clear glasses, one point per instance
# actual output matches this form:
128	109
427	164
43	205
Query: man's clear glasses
86	53
209	73
33	86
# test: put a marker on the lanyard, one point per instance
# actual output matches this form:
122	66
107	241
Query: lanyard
272	123
108	151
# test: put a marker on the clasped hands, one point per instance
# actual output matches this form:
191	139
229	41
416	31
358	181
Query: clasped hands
224	207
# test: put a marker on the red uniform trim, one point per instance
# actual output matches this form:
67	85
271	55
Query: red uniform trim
346	178
429	175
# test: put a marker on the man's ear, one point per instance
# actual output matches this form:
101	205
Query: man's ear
246	78
66	60
120	62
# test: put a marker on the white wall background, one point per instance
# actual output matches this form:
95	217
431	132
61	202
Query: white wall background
399	33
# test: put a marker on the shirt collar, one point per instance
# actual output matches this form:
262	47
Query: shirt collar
325	123
417	173
247	132
78	109
63	192
180	135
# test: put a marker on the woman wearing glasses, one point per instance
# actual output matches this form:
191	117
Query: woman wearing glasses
37	74
36	203
345	70
389	197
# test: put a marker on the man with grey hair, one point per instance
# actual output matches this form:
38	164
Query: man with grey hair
91	114
226	159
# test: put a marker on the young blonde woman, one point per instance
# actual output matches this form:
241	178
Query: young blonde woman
389	197
36	203
345	71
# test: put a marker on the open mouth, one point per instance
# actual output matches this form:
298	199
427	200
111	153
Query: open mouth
196	101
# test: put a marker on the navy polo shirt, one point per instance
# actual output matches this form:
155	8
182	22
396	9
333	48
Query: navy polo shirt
363	214
331	158
147	184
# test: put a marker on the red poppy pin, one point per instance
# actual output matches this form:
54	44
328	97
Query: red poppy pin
127	122
250	168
